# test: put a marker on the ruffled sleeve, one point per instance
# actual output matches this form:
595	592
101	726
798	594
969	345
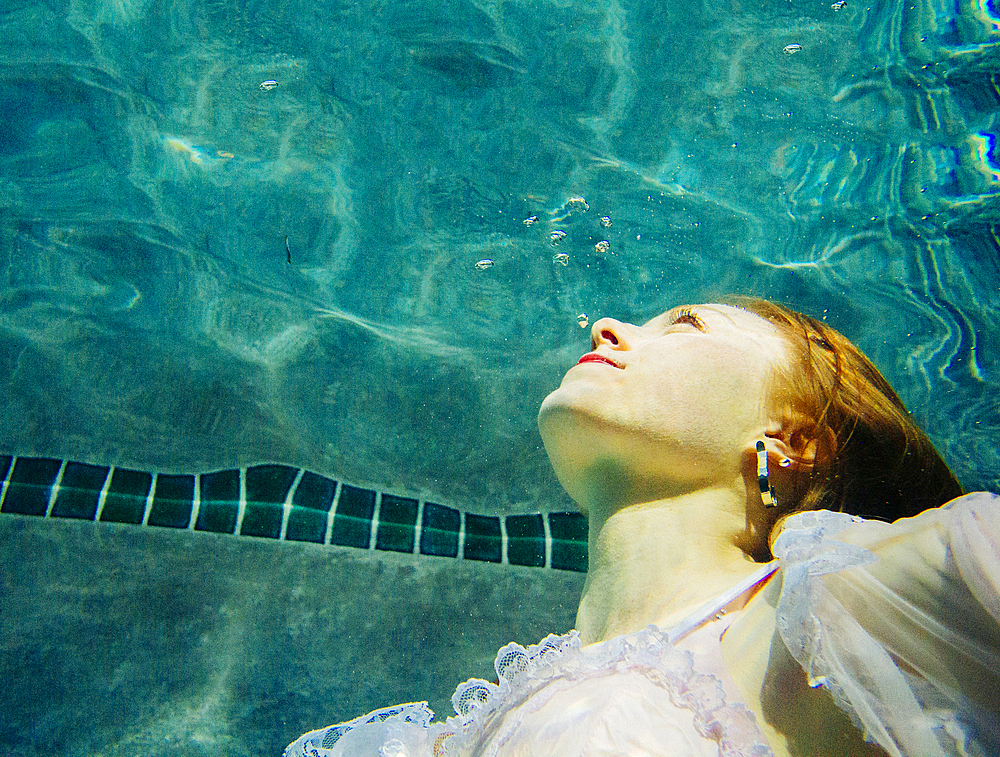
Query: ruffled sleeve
398	731
899	622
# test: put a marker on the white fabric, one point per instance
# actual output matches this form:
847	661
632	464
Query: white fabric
898	621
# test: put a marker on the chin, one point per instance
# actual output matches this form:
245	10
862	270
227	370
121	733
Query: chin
600	456
563	439
564	422
575	439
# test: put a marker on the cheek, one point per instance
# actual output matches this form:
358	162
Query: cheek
719	396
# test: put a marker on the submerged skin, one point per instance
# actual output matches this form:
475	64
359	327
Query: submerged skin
659	451
654	437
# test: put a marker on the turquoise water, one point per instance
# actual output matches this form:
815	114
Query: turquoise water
148	183
361	237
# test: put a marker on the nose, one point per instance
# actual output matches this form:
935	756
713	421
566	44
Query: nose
611	332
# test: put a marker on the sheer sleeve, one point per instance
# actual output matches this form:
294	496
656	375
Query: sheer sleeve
899	622
398	731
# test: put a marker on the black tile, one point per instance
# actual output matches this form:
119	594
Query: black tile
79	491
439	531
219	501
482	538
397	519
352	523
267	489
172	501
305	524
30	485
5	461
262	519
310	505
569	541
314	492
125	500
269	483
526	540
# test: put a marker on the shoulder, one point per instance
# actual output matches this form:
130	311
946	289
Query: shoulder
944	557
895	621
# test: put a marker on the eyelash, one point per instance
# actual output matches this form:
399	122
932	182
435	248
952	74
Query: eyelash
687	316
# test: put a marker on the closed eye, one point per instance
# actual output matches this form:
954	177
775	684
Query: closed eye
686	315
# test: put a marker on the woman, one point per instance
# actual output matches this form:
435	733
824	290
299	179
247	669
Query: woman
689	442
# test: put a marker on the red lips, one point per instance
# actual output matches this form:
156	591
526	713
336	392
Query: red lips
593	357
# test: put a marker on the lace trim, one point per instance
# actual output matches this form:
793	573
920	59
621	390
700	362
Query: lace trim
320	742
522	672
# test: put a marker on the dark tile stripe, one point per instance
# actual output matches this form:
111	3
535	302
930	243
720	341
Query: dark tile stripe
280	502
482	538
397	521
352	521
79	491
267	488
569	541
173	501
125	499
29	487
310	507
526	540
439	531
218	501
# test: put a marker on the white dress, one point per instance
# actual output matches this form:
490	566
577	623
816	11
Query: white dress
899	622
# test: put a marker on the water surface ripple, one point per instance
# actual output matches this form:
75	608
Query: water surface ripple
235	233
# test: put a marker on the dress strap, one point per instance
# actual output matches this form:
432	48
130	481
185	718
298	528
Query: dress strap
745	587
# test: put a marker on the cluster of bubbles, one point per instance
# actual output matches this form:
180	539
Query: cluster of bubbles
556	236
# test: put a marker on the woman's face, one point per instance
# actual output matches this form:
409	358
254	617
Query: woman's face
670	404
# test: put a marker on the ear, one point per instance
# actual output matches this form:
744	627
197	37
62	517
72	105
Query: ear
797	439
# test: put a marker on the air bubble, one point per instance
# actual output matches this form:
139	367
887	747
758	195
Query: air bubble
583	320
606	222
557	236
530	221
483	264
561	257
268	85
578	204
839	4
791	49
603	246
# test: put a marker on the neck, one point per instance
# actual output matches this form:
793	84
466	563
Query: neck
656	562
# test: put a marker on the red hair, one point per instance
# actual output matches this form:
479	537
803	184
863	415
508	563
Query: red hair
873	460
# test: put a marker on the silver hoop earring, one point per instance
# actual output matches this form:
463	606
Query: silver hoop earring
763	480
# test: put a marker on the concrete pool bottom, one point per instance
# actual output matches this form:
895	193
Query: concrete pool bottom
120	640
